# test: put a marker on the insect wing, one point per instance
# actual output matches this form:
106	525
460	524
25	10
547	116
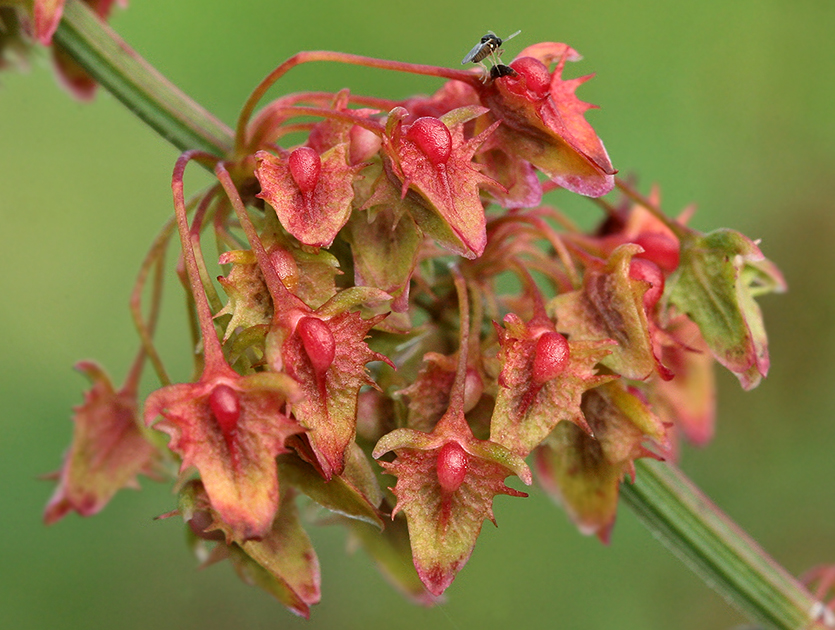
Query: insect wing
471	56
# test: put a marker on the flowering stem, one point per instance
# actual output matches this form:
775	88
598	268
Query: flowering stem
716	549
663	498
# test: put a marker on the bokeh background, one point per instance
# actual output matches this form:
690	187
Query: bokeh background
727	104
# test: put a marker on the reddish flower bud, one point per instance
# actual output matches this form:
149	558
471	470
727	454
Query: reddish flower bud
433	138
452	466
318	342
648	271
550	357
305	168
226	408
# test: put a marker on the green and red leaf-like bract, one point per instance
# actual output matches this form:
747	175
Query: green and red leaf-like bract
231	428
446	481
108	449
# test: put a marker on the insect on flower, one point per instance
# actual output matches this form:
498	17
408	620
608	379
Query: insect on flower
489	46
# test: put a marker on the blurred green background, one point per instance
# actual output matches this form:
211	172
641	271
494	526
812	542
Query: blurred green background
728	104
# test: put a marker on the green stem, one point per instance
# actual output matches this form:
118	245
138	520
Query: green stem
663	498
717	550
131	79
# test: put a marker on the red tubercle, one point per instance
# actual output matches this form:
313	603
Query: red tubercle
533	75
433	138
452	466
305	168
318	342
551	357
226	408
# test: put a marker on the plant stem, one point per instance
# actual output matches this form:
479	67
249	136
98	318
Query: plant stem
663	498
717	550
131	79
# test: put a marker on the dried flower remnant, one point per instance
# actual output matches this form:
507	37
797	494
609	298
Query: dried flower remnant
108	449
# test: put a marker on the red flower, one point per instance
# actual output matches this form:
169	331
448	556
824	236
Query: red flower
446	481
311	193
582	472
614	303
325	353
431	157
542	382
231	428
715	284
283	562
543	121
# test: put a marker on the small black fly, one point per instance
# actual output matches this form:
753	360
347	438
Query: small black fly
489	46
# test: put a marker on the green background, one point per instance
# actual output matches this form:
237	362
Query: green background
727	104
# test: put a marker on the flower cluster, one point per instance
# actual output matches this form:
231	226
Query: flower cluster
400	304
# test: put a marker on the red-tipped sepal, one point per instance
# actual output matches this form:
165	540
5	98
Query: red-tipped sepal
231	428
719	276
446	481
431	157
613	304
283	563
325	352
310	193
543	122
582	472
542	382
